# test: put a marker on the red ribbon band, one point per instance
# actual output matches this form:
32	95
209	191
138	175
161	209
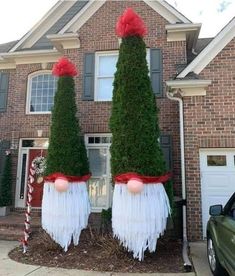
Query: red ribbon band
52	177
125	177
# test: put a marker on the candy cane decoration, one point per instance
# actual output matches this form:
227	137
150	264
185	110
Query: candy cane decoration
28	211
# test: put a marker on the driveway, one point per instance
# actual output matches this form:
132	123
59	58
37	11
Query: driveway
199	257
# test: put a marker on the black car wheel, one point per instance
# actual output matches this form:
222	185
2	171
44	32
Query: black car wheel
215	266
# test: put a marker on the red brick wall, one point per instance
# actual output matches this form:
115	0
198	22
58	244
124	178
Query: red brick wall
209	123
96	35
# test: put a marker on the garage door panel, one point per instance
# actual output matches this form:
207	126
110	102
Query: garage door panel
217	182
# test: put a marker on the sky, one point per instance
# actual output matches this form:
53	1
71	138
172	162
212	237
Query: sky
17	17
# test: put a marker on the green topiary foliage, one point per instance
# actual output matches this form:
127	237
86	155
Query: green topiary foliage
134	120
6	183
66	152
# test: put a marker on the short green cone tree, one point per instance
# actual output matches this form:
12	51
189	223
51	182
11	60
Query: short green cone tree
66	152
6	182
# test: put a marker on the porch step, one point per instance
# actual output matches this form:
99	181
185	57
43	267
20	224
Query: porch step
12	226
10	234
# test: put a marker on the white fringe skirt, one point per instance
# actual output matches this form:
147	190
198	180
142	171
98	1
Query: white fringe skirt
65	214
138	220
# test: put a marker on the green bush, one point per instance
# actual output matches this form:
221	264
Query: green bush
6	183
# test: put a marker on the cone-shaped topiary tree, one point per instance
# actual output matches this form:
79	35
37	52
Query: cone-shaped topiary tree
6	182
140	204
134	123
65	204
66	152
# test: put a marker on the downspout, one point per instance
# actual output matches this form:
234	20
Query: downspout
187	263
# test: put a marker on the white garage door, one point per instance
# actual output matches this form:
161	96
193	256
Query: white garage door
217	179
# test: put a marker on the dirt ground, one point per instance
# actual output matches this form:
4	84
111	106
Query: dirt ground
99	252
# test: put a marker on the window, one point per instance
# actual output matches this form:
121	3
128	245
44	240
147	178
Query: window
105	69
41	92
104	74
216	160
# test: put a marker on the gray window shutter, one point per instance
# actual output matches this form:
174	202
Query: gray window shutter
4	83
156	71
88	77
4	145
166	146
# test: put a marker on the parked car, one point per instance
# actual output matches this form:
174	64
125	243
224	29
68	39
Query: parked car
221	238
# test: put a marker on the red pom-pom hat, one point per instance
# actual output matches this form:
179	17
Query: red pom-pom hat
64	68
130	24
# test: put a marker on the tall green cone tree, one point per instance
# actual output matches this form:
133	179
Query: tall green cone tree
6	182
66	152
134	119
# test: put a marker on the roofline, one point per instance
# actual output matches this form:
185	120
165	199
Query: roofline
175	11
184	27
175	84
94	5
27	53
27	35
211	50
81	12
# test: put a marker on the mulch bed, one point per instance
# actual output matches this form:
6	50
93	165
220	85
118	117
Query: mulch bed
99	252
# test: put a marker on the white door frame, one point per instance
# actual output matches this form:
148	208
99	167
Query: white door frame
108	171
20	202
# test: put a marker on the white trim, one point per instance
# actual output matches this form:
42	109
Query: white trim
189	88
82	16
161	7
167	11
28	53
7	65
211	50
28	97
29	57
65	41
35	27
183	27
183	32
21	202
108	169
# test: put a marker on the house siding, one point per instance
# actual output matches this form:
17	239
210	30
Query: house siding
209	123
98	34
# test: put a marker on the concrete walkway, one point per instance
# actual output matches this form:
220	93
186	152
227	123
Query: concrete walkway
199	257
12	268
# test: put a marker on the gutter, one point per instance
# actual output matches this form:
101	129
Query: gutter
187	263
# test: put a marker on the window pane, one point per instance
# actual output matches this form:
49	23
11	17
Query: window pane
216	160
97	159
107	65
98	192
105	89
43	89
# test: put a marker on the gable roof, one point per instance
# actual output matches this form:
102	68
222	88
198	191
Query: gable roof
211	50
5	47
69	16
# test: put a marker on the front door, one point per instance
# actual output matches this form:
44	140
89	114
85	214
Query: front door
38	180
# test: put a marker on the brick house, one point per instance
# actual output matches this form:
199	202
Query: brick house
196	72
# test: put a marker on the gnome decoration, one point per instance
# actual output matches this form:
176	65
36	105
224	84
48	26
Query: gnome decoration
140	203
65	204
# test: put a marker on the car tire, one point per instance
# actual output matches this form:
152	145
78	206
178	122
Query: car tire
215	266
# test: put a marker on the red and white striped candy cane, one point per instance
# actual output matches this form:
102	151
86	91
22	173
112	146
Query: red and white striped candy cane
28	211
